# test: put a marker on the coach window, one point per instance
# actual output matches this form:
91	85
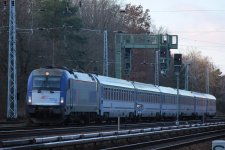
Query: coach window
120	94
146	97
152	98
182	100
155	98
166	96
105	93
131	96
108	94
117	94
112	94
142	96
123	95
149	98
139	96
128	95
170	100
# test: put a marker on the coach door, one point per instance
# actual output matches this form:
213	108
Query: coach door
195	103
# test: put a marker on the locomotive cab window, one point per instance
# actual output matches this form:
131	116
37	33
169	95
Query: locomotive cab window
46	83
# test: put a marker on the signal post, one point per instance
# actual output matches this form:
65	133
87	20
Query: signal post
177	68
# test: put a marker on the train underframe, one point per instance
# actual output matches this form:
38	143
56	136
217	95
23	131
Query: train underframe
46	114
55	115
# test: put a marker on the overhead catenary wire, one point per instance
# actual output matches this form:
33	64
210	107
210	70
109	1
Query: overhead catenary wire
190	10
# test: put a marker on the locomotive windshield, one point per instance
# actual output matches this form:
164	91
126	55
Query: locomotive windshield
46	83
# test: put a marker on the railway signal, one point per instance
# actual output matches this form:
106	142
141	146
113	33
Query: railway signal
164	58
127	60
177	62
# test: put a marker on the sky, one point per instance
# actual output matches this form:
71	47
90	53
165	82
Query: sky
199	24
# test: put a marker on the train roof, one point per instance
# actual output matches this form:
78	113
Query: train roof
185	93
82	76
114	82
146	87
199	95
167	90
209	96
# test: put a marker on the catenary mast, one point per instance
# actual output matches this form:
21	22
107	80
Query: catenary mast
12	75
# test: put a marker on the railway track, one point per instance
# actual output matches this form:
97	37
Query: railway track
152	138
36	131
26	132
173	143
24	126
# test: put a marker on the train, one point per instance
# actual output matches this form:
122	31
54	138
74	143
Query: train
58	94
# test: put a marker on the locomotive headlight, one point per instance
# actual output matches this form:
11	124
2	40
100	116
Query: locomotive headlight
29	99
62	100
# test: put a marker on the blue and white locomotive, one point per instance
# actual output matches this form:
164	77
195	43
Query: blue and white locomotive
56	94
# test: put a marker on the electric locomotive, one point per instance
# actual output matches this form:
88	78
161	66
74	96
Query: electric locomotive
46	94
